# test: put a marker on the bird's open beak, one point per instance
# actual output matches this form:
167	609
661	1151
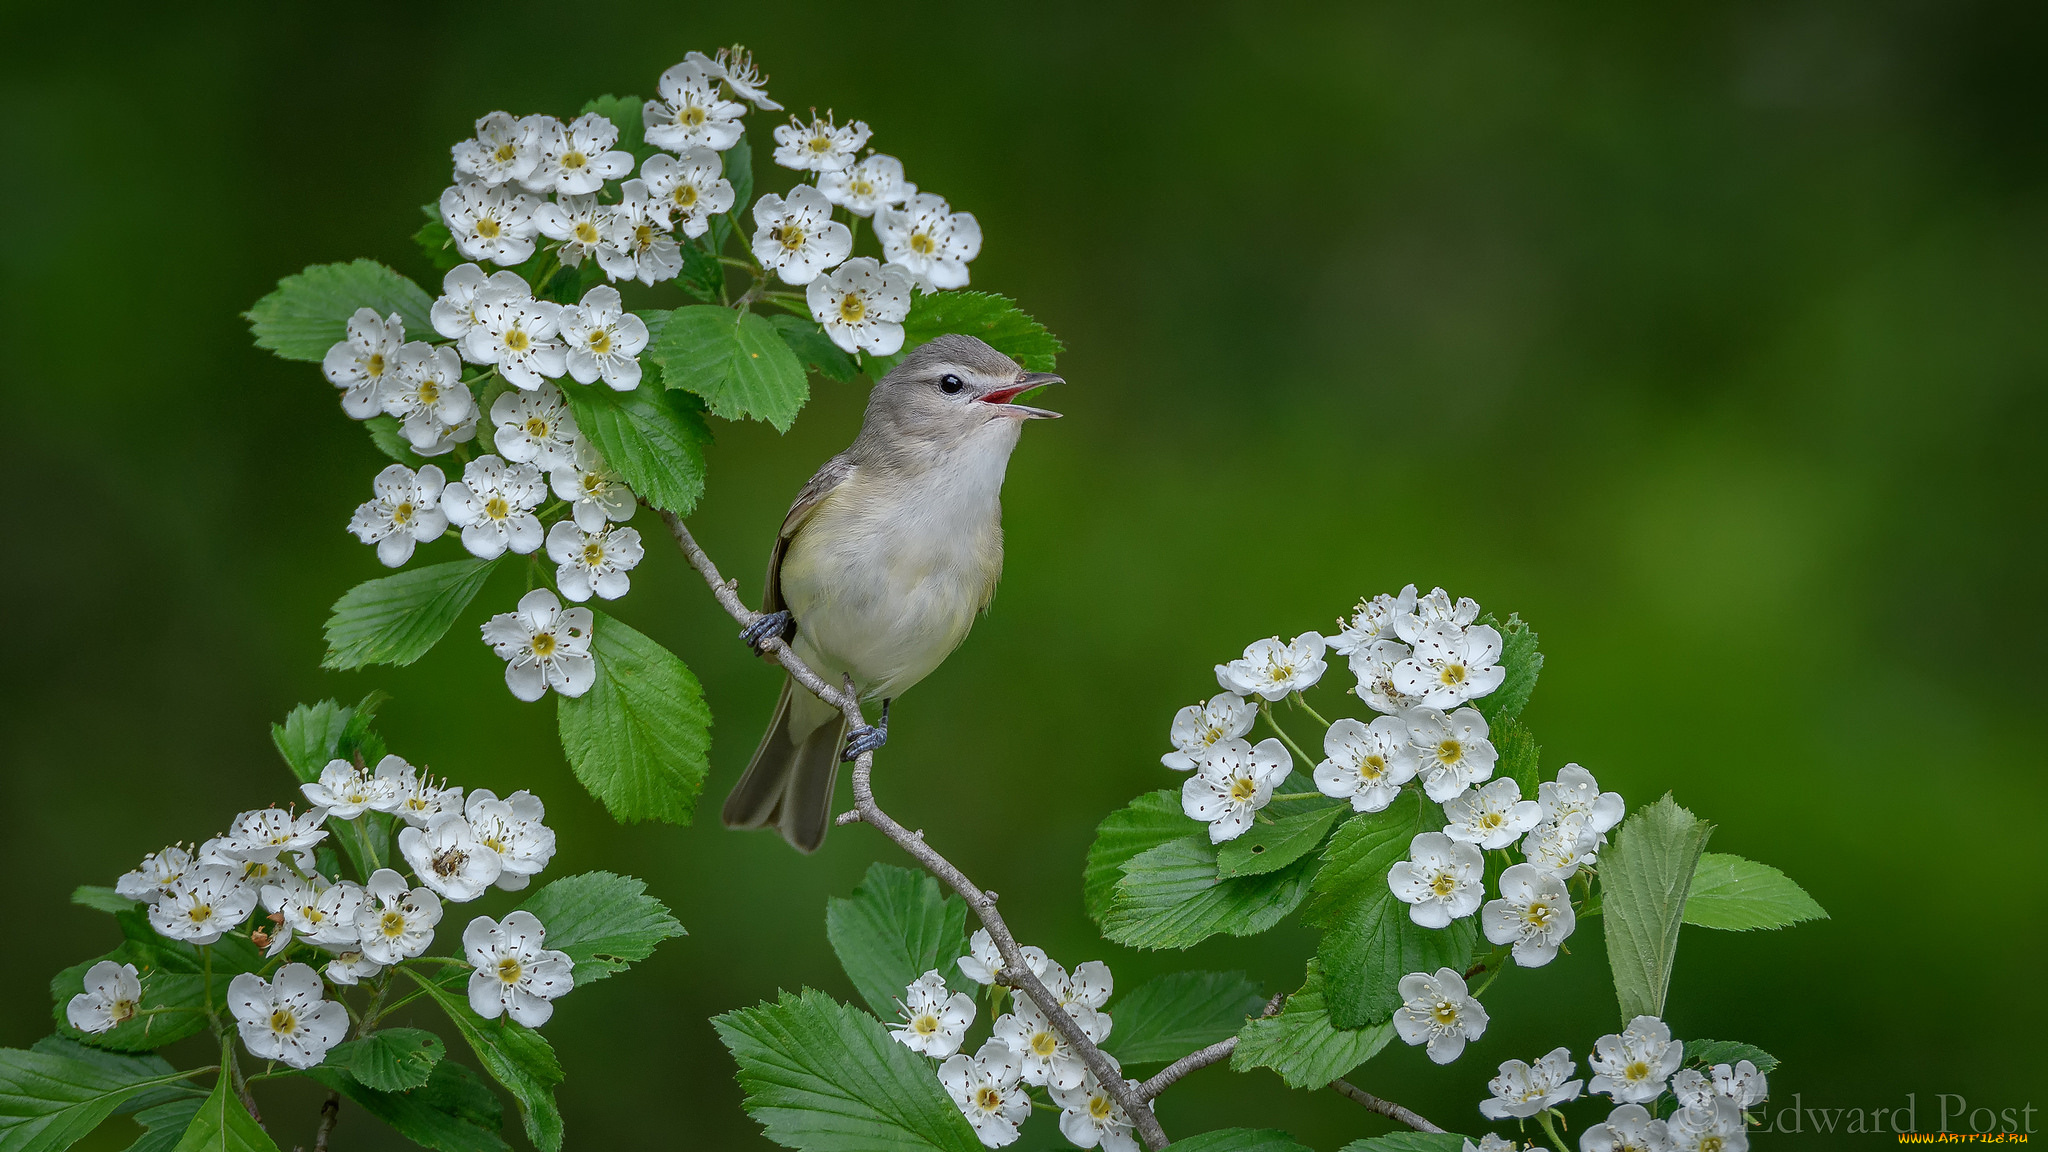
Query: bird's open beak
1029	382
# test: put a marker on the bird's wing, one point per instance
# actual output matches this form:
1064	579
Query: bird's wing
833	474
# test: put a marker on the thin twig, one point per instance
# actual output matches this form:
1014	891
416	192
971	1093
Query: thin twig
1215	1053
330	1111
1385	1108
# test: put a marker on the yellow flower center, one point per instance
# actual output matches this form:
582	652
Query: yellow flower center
601	342
860	188
537	427
375	364
685	196
573	159
791	236
586	232
122	1011
852	308
1099	1106
402	514
1452	675
201	913
922	243
1637	1071
1539	915
1372	767
429	392
508	970
392	925
487	228
1445	1013
643	235
821	144
987	1099
517	340
1044	1044
1450	751
925	1025
1444	884
593	484
543	643
1490	821
450	863
593	553
1243	789
691	116
496	508
505	153
283	1021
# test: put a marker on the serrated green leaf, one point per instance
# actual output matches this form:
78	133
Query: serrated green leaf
1147	822
1705	1054
398	619
222	1125
1171	897
126	1065
702	276
359	734
515	1056
895	927
390	1060
1518	655
385	432
166	1124
309	312
823	1077
1239	1140
101	899
640	738
1302	1044
308	737
1369	940
1520	757
624	113
1165	1019
735	361
995	320
1644	877
1738	895
605	922
1409	1142
653	438
435	242
813	348
455	1112
1271	847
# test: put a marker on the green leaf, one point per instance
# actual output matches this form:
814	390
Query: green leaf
1737	895
824	1077
308	737
1147	822
455	1112
1271	847
735	361
605	922
624	113
223	1125
993	319
1239	1140
895	927
815	349
1409	1142
359	734
435	242
1171	897
1643	881
174	1001
1369	940
1519	656
1705	1054
166	1083
309	312
1520	757
1303	1044
640	739
515	1056
1165	1019
164	1125
654	438
702	276
386	435
391	1060
397	619
101	899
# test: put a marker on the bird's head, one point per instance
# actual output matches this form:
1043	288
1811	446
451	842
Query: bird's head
950	391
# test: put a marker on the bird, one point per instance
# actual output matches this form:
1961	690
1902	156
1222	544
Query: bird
885	559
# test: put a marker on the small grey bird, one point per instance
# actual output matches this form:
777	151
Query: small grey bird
881	566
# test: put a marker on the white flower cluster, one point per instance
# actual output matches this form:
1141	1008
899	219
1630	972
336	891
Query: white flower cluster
457	846
991	1087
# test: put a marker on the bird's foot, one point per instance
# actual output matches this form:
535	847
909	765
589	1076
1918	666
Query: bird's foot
775	624
867	737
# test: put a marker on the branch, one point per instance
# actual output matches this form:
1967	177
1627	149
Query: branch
1215	1053
330	1111
1016	973
1385	1108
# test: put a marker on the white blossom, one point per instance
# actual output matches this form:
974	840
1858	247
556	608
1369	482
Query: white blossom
988	1089
1270	668
1522	1090
1450	665
416	799
637	244
1200	727
1534	913
604	340
1089	986
544	646
932	1023
1741	1083
1235	780
1629	1128
578	222
1559	849
983	961
400	923
363	360
199	907
503	149
1491	816
797	238
448	858
310	909
262	833
427	396
1441	881
286	1020
1493	1142
691	185
535	428
404	512
821	145
1631	1067
1716	1128
1374	665
157	872
592	562
1366	763
1435	608
576	158
251	869
516	335
862	304
1372	622
1576	795
690	111
1436	1011
735	66
489	223
1091	1117
1452	752
1047	1059
515	974
930	240
867	186
512	828
349	966
598	494
493	504
464	289
113	994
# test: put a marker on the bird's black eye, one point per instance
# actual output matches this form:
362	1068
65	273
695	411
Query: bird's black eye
950	384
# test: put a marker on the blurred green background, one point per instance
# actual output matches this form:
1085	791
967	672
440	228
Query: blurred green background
1707	337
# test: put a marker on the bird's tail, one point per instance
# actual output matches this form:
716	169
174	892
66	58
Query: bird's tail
789	781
